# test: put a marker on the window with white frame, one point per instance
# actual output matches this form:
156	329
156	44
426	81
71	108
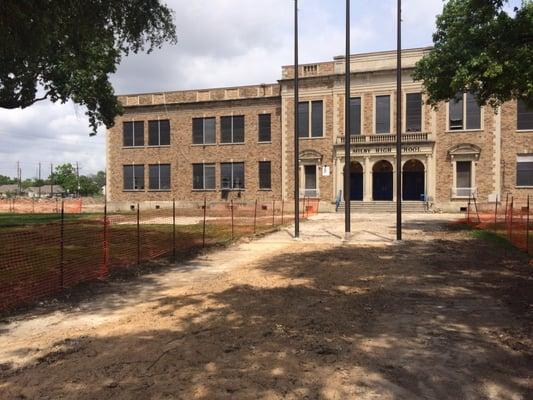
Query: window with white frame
524	170
383	114
232	175
203	130
232	129
464	113
133	177
159	177
133	133
159	133
311	119
203	176
463	179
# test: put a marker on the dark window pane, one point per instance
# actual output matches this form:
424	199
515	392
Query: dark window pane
225	175
238	175
413	112
127	132
164	132
473	113
524	116
138	173
225	129
198	176
164	176
153	133
128	177
303	120
238	129
265	180
524	171
382	114
317	118
265	127
197	130
138	133
456	113
209	176
355	116
464	177
209	130
153	177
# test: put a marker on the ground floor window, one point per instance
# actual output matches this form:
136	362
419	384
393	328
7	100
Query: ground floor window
463	178
133	177
203	176
524	170
159	177
265	175
232	175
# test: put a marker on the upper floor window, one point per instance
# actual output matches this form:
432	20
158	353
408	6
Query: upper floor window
159	133
355	116
265	127
203	131
232	175
464	113
265	175
524	116
133	133
203	176
383	114
524	170
133	177
311	119
159	177
413	112
232	129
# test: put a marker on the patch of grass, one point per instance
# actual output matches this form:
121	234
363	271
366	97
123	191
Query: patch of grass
493	238
11	220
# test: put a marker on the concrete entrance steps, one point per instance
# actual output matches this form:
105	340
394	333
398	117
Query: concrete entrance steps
384	207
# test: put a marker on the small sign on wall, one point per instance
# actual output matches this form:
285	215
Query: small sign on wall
325	170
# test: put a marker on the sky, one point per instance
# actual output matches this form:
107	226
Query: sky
220	43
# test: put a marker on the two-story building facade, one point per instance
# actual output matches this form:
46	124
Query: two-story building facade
238	142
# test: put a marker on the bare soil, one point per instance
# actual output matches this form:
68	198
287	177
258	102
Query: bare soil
439	316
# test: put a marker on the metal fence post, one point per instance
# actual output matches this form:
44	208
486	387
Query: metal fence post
511	221
527	226
255	216
138	235
104	270
477	212
282	209
468	211
496	213
203	232
231	207
273	212
174	230
506	207
62	249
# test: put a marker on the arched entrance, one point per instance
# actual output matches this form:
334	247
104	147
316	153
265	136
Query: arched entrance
413	180
356	181
382	181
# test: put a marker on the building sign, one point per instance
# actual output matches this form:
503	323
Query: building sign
379	150
325	171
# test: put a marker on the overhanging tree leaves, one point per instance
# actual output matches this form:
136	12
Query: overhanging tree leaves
66	49
480	48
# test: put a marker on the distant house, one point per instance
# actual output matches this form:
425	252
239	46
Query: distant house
46	191
9	190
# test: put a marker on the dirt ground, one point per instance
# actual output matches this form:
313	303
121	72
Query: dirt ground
438	316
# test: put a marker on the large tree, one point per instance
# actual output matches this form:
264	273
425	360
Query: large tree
481	48
66	49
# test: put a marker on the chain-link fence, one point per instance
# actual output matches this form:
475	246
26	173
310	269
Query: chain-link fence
44	252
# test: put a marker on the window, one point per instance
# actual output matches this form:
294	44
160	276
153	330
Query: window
463	177
133	177
133	133
524	118
203	131
203	176
355	116
232	175
265	127
383	114
313	119
265	175
464	113
159	177
232	129
524	170
413	112
159	133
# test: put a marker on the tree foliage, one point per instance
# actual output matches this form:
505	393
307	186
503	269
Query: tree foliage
480	48
66	49
66	176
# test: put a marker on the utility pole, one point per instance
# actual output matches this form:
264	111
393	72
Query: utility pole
78	179
347	137
296	129
399	124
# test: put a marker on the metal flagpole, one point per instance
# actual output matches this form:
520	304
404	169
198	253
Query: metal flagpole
399	124
296	126
347	84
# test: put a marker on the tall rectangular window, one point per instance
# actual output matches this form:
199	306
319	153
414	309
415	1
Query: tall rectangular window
203	131
265	175
265	128
355	116
133	177
464	113
159	177
133	133
383	114
524	116
311	119
203	176
413	112
159	133
463	175
232	129
524	170
232	175
317	119
303	119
